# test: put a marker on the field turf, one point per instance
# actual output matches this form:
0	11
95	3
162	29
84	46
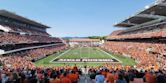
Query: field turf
83	52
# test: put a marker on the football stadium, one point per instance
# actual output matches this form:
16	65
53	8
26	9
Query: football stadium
135	53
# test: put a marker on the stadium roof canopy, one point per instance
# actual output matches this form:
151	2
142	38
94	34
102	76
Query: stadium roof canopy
20	18
153	13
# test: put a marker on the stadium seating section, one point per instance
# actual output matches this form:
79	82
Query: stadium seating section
157	30
28	42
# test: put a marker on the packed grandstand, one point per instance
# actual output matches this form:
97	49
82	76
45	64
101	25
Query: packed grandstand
143	38
24	41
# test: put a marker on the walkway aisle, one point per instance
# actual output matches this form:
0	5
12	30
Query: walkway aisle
84	78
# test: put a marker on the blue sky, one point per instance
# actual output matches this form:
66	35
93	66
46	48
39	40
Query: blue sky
76	17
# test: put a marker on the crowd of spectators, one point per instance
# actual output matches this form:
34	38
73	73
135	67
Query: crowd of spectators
142	35
152	31
13	38
18	67
24	59
71	74
63	74
17	34
115	74
146	54
25	30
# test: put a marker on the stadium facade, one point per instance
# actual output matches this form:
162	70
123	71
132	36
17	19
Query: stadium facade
22	39
142	36
142	39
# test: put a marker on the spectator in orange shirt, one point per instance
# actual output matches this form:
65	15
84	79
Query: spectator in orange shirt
150	78
73	77
110	78
75	68
104	73
55	79
65	79
115	76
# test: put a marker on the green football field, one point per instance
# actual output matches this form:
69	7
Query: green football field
83	53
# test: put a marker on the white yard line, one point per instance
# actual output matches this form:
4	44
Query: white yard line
60	55
110	55
99	53
52	61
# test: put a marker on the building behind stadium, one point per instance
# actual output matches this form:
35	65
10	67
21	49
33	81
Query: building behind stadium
85	42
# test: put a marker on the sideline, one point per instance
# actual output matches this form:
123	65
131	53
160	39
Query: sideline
59	55
110	55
